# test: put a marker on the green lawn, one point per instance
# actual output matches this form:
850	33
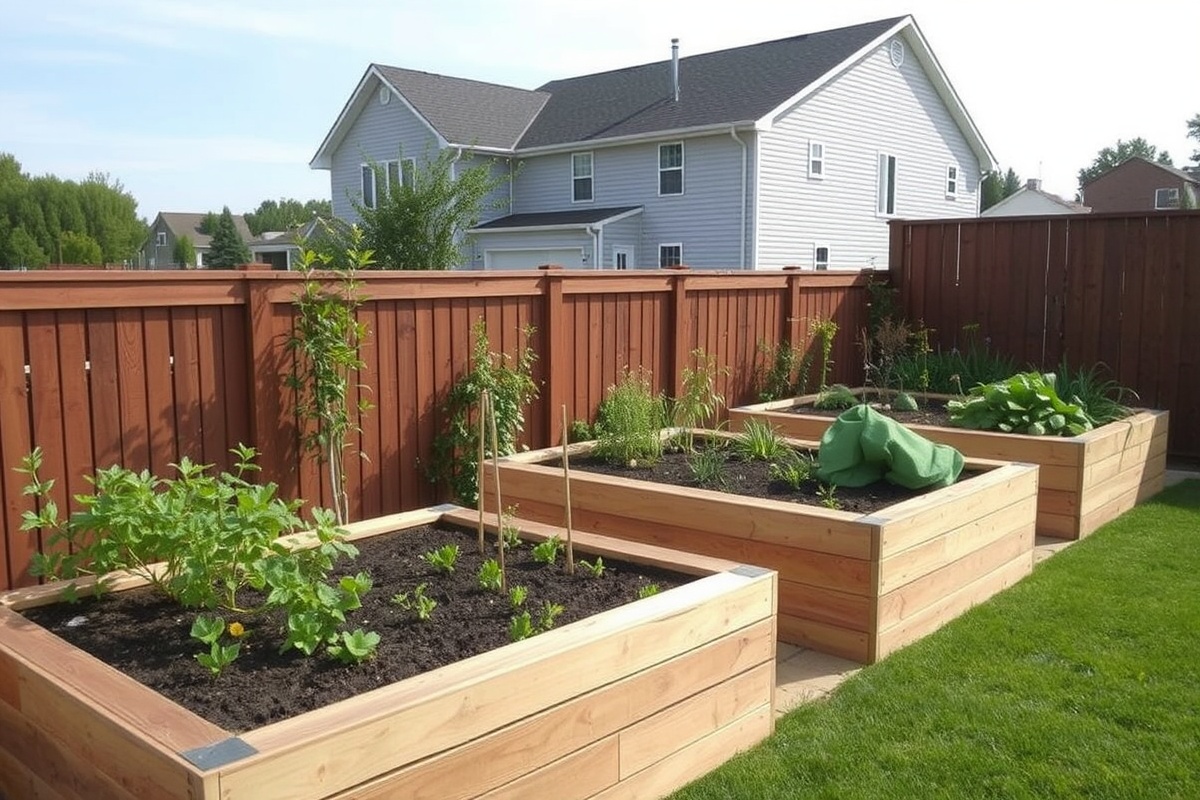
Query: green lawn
1081	681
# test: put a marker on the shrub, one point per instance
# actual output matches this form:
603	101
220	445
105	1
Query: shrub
629	421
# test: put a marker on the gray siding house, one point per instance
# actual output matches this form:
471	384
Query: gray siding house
790	152
168	227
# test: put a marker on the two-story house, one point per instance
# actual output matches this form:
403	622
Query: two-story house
790	152
158	252
1138	184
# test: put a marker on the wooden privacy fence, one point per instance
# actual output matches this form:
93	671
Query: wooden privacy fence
1120	290
143	368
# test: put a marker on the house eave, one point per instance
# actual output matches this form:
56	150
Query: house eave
565	226
649	136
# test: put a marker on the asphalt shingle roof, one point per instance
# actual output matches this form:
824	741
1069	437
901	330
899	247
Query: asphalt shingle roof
184	224
584	216
465	111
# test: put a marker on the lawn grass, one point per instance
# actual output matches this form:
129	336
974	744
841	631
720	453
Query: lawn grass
1083	680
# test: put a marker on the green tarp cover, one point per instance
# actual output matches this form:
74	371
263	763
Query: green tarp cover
863	446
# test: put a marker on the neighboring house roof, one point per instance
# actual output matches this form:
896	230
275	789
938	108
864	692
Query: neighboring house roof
183	224
1178	173
743	86
283	240
1021	197
546	220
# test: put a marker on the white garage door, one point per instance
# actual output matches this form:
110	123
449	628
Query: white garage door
527	259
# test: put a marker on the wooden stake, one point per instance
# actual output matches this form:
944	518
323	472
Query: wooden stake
499	503
484	402
567	492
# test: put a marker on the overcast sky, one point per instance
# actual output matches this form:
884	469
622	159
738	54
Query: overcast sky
196	105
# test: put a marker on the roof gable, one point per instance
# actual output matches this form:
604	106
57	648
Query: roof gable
1140	163
188	224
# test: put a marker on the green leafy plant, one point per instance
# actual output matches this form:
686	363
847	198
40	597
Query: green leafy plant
210	537
649	590
208	629
759	441
948	371
824	330
517	595
489	575
510	532
773	374
708	466
510	384
444	558
520	626
580	431
1025	403
418	602
546	552
699	404
629	421
1103	399
792	469
325	342
355	647
836	397
827	494
890	343
594	569
548	615
903	401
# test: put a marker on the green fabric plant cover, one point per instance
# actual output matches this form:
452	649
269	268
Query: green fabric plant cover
862	446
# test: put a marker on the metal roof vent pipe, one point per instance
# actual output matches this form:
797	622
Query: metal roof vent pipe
675	68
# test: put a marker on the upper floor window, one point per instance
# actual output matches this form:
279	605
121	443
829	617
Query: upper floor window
408	171
581	177
368	186
951	182
160	239
1166	198
378	179
816	160
670	255
886	201
821	257
670	168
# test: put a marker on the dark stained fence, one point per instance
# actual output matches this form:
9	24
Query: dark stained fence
1117	290
143	368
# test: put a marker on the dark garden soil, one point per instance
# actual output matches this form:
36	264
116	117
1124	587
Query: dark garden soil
753	479
930	413
147	636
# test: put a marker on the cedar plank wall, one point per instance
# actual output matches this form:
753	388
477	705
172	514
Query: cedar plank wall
1121	290
143	368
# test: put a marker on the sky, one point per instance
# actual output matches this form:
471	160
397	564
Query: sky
196	105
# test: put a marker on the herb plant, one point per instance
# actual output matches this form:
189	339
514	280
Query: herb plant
489	575
517	595
649	590
521	626
629	421
793	469
418	602
356	647
546	552
510	532
836	397
759	441
442	559
824	330
510	384
593	569
708	466
579	431
1025	403
208	628
1103	399
699	404
827	493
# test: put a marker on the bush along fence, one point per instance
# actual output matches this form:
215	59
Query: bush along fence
1118	290
143	369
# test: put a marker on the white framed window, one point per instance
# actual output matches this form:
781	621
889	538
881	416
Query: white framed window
368	186
821	256
160	239
670	168
1166	198
885	204
393	175
581	177
816	161
408	171
670	255
951	181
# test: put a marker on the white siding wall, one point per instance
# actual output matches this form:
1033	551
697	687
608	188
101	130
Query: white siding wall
705	217
874	107
1027	203
380	133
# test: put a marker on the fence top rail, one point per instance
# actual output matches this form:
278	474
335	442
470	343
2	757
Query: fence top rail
1086	217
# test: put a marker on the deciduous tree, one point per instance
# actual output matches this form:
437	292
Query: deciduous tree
285	214
1111	157
185	252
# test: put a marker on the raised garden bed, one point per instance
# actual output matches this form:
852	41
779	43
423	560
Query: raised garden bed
1085	480
636	700
854	585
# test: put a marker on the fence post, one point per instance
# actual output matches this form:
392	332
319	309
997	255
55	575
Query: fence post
791	316
272	426
555	356
681	325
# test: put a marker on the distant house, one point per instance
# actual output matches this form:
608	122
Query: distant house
281	249
1142	185
1032	200
159	250
790	152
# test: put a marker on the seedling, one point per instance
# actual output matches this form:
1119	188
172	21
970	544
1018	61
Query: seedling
520	627
516	596
509	530
489	575
208	629
356	647
794	469
547	552
418	602
593	568
827	492
444	558
649	590
550	612
708	467
759	441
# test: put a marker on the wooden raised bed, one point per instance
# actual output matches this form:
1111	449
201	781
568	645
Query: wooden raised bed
1085	481
635	701
857	586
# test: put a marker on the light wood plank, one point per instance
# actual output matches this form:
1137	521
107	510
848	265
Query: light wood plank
821	604
17	782
832	639
583	774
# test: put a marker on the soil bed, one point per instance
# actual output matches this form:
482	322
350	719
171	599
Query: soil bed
930	413
147	637
752	479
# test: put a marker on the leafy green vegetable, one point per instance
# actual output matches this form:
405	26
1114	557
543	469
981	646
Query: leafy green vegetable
1025	403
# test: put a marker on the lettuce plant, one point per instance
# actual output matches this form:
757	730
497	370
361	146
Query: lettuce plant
1025	403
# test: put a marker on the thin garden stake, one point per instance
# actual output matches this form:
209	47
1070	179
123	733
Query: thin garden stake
567	492
499	504
484	401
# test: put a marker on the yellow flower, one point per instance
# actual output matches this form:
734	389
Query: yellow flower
236	630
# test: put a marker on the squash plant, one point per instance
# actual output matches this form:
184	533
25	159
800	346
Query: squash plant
1024	403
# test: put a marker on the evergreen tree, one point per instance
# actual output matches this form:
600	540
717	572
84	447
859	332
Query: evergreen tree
996	187
185	252
227	249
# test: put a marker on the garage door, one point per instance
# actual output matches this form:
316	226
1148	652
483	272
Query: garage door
528	259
